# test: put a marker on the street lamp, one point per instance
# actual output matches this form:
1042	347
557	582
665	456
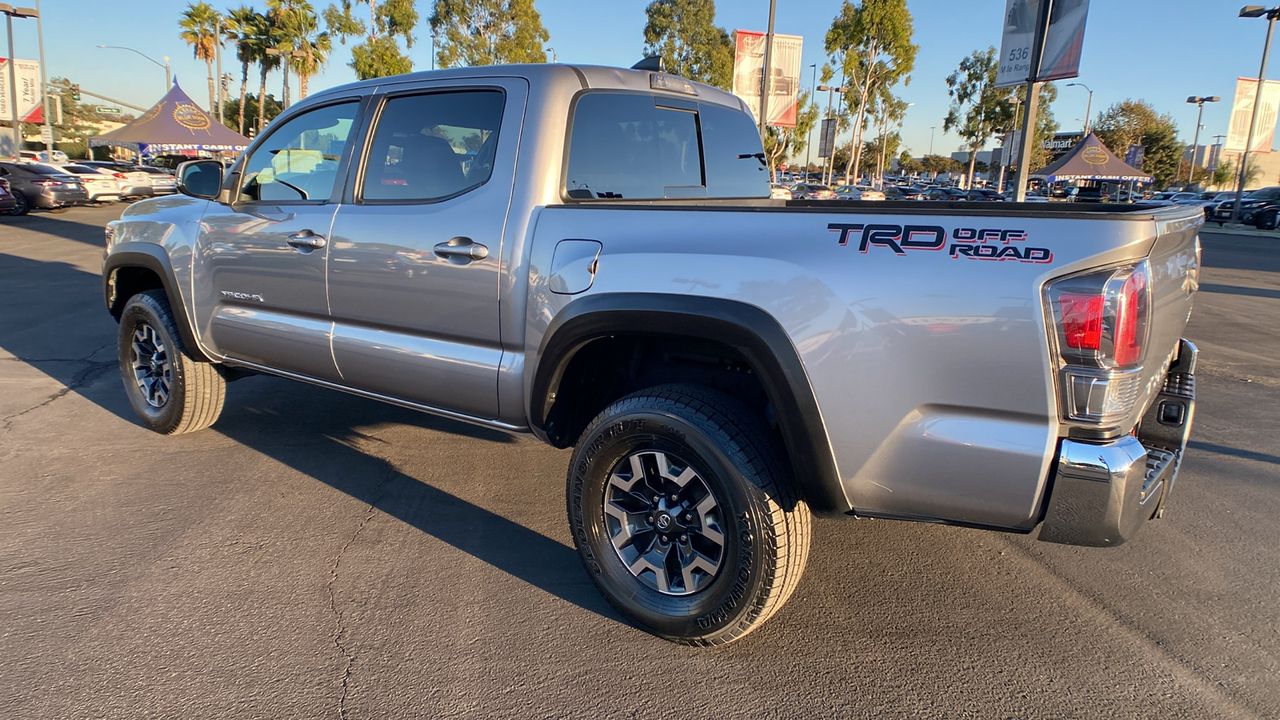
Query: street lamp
553	54
1088	108
831	155
931	129
1254	11
1195	144
168	73
10	13
284	67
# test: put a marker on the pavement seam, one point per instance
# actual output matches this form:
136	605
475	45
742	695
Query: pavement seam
79	380
388	475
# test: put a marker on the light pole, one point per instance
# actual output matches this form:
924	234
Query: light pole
284	66
1195	144
1088	108
831	155
1253	11
808	147
9	14
931	129
168	74
553	54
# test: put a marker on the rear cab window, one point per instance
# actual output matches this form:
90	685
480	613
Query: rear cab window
637	146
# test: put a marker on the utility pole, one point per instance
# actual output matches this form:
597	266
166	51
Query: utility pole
766	75
1257	105
217	51
808	147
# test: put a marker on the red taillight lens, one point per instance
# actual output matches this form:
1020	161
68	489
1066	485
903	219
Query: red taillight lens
119	176
1082	320
1131	325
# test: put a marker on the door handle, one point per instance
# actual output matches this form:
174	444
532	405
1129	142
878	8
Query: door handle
461	250
306	239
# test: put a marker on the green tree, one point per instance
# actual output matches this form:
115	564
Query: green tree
684	34
1135	122
871	45
978	108
199	26
1226	174
938	164
908	165
781	143
267	34
232	109
389	20
488	32
1012	109
304	42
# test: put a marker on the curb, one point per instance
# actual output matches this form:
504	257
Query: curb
1239	230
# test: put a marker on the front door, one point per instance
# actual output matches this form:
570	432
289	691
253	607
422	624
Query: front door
260	261
413	269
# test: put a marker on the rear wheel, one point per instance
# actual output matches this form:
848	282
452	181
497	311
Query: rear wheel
171	392
1267	219
20	204
683	515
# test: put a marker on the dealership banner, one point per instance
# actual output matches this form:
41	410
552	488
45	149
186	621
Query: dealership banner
28	80
1242	113
1061	58
784	85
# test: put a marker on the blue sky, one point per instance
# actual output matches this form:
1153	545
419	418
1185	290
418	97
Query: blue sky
1160	51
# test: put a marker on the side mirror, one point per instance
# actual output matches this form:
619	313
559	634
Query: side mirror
200	178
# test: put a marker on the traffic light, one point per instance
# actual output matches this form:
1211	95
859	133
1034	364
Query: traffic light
75	92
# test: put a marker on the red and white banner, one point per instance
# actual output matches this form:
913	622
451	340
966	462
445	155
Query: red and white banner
28	80
784	90
1242	114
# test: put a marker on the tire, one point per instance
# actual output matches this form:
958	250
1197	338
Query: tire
710	473
1266	220
171	392
20	204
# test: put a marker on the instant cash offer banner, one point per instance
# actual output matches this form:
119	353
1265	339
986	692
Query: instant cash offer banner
784	86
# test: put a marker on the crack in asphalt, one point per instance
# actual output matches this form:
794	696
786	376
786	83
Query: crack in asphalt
389	474
81	378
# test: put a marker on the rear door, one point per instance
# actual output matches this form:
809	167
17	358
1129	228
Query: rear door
413	269
260	260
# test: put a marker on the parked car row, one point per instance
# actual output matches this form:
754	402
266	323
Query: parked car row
57	186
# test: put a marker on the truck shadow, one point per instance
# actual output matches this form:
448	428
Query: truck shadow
323	434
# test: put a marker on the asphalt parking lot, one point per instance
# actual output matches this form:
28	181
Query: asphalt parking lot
319	555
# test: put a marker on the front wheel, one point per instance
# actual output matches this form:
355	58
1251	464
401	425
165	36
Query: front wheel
683	515
171	391
20	204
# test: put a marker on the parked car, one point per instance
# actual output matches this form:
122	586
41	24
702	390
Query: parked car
100	186
985	195
722	373
162	182
1250	204
7	202
869	193
946	194
849	192
778	191
40	186
812	191
892	192
136	182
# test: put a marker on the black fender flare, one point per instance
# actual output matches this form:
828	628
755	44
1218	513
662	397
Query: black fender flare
746	328
154	258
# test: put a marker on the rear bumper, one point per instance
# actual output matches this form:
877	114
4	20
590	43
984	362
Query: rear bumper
1104	492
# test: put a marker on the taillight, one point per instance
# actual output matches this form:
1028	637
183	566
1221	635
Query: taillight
119	176
1100	324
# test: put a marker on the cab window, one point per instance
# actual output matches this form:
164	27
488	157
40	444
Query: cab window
299	160
432	146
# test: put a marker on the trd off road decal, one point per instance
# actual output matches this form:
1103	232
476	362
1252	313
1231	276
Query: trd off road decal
972	243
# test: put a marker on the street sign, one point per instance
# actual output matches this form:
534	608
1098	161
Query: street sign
107	110
46	134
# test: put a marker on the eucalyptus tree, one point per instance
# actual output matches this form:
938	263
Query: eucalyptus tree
199	29
389	22
488	32
978	108
871	46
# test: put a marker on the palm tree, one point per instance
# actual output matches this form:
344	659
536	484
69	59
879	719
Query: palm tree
200	30
267	34
241	28
304	32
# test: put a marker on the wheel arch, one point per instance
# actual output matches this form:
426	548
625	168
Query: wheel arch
134	267
748	331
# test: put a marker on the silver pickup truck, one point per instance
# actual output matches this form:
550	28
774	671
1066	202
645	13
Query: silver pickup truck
590	255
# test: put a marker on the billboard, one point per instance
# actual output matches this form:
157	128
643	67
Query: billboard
28	80
784	77
1242	113
1061	58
